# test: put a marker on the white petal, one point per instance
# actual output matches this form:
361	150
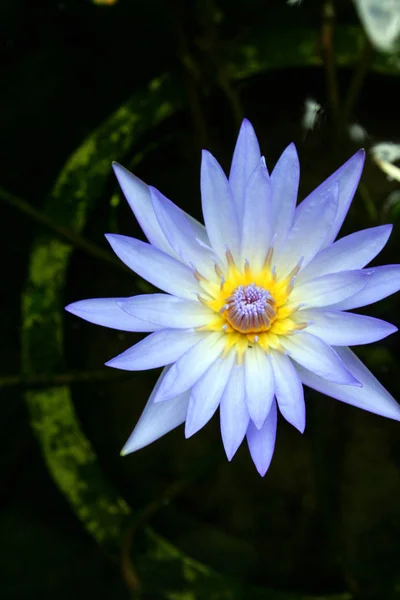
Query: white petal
257	221
180	234
219	210
338	328
329	289
289	390
260	385
191	366
138	196
206	394
107	312
351	252
382	282
372	396
285	184
261	442
158	268
313	354
245	159
312	222
156	350
164	310
157	419
233	412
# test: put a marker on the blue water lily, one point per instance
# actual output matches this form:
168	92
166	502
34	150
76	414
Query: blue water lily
255	302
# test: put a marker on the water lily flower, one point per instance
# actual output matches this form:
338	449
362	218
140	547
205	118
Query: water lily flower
255	302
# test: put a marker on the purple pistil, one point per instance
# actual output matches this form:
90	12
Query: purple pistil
250	309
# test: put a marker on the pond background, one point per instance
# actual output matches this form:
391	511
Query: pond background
150	83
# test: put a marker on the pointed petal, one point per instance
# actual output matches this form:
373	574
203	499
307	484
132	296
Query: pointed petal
157	419
138	196
107	312
233	412
329	289
313	354
351	252
261	442
219	209
259	384
285	184
382	282
348	176
372	396
257	222
191	366
199	230
246	157
180	234
163	310
156	350
305	239
158	268
206	394
338	328
289	391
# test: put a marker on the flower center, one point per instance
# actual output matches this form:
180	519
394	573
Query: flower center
250	309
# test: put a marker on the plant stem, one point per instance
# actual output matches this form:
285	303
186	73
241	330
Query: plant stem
357	81
327	32
63	232
191	72
369	205
49	380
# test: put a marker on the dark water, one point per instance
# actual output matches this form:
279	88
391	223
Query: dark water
325	520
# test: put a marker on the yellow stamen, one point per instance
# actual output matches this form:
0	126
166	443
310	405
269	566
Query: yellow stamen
199	276
218	271
268	258
202	300
229	258
270	323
